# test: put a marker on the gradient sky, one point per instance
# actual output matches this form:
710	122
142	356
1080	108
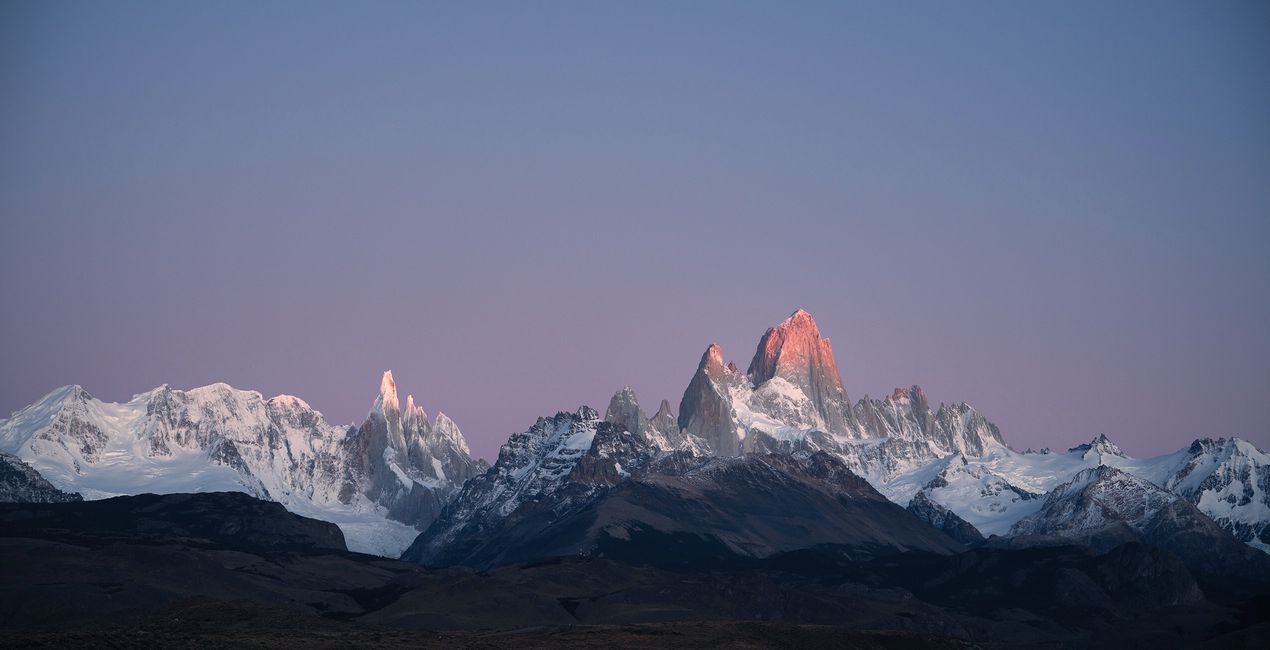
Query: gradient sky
1057	212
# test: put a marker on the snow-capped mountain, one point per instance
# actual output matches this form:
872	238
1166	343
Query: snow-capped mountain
1228	479
1103	507
948	464
1099	503
380	482
792	399
575	484
531	467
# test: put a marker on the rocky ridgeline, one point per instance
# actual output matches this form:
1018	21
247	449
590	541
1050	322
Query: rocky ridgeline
947	464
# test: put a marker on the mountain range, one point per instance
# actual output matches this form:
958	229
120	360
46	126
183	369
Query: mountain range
755	463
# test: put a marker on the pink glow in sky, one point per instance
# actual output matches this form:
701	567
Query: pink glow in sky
1057	213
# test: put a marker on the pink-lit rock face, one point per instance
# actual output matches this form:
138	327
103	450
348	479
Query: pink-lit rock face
793	387
712	361
389	408
915	393
388	392
795	352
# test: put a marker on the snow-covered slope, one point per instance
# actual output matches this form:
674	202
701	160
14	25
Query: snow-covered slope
1103	507
380	482
1228	479
998	487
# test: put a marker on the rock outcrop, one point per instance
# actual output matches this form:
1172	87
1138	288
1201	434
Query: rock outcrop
944	519
20	483
661	431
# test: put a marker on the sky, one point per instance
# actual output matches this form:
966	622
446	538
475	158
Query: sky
1056	212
